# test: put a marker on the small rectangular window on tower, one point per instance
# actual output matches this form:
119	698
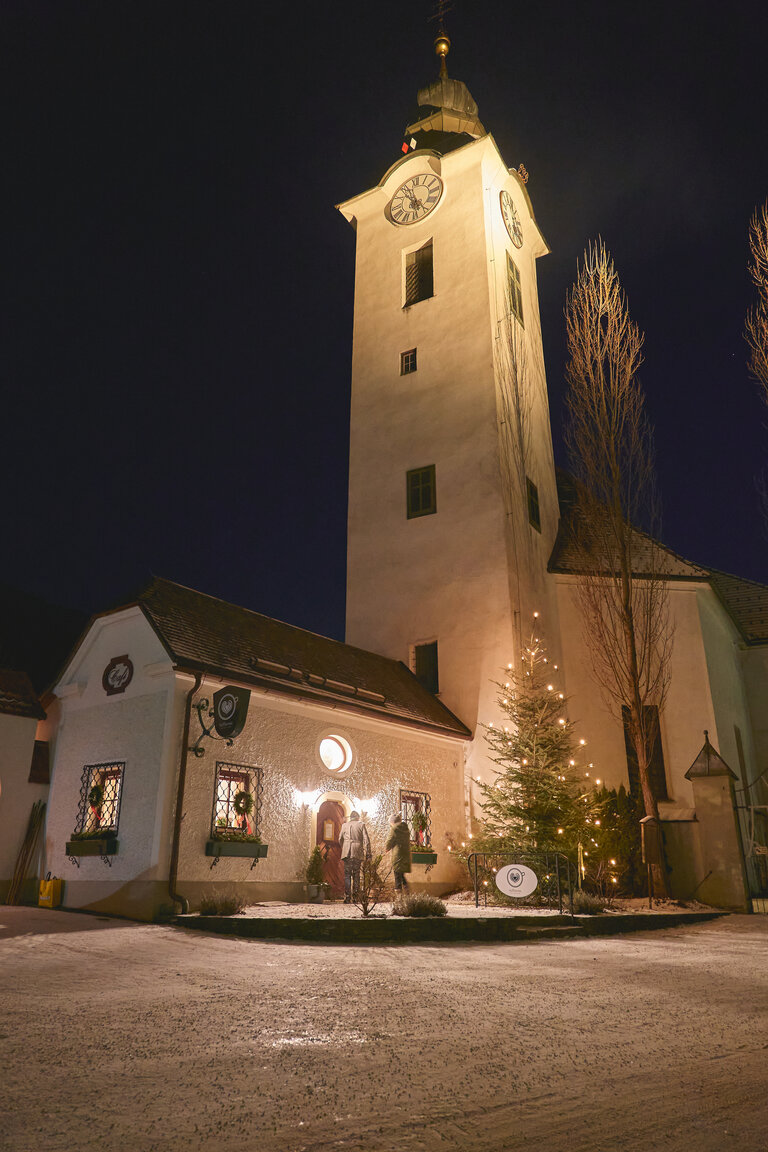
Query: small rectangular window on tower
419	283
421	491
534	515
424	665
408	362
515	289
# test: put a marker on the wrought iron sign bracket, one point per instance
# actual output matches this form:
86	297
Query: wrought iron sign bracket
204	707
74	860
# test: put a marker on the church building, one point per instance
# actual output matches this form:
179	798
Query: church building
198	745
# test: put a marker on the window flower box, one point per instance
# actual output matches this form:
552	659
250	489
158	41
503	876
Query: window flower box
423	856
91	846
252	849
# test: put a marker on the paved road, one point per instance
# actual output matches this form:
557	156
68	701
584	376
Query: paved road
118	1036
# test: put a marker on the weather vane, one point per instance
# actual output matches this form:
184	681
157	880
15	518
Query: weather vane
442	42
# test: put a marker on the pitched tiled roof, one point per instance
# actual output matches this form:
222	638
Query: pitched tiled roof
17	696
201	632
569	557
746	602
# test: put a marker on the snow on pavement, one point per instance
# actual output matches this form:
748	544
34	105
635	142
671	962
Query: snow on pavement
124	1036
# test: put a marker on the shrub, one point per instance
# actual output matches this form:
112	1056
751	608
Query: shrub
218	905
419	904
313	873
585	904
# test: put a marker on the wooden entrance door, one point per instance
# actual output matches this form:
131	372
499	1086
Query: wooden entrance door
330	818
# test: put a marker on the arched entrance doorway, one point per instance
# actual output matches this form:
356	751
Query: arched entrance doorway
330	816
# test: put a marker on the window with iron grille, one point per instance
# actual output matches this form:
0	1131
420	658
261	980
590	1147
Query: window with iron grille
424	665
534	515
656	767
416	813
421	491
408	362
419	281
237	799
514	289
101	787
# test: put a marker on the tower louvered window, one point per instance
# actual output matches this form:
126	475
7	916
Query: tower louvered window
419	280
515	289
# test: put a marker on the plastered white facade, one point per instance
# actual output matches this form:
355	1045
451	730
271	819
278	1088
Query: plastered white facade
142	729
471	575
707	691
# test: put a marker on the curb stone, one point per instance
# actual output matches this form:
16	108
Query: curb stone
437	929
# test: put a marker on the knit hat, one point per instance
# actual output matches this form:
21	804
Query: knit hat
354	815
396	819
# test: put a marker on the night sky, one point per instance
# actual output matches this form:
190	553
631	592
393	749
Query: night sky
177	285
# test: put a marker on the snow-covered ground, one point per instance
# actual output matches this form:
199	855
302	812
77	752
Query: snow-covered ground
118	1036
461	905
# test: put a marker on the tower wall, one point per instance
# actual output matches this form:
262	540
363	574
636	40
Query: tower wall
470	575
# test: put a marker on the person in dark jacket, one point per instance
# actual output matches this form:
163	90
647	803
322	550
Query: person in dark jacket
399	843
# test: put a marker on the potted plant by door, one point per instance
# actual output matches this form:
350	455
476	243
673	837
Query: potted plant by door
315	877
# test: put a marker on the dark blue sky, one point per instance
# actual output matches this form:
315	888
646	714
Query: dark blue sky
177	286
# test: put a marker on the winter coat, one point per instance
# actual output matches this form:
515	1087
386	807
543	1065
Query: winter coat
400	843
354	840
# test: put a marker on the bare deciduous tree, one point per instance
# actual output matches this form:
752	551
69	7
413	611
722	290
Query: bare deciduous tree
756	330
621	586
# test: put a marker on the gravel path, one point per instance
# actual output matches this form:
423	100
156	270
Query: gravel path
119	1036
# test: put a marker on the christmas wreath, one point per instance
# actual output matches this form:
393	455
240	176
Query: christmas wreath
95	796
243	803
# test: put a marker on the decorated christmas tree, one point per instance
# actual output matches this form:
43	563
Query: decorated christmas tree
542	799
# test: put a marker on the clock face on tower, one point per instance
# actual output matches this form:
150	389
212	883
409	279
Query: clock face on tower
415	199
511	219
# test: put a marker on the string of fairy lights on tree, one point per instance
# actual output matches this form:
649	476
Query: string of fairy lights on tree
545	796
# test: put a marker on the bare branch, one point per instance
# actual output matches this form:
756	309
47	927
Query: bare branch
621	586
756	327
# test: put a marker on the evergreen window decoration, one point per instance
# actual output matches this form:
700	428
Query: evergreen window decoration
98	813
421	491
532	495
236	801
408	362
419	279
415	809
514	288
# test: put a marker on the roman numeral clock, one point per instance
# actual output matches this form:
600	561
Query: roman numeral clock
415	199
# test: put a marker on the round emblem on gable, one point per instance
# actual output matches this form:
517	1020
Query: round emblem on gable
117	675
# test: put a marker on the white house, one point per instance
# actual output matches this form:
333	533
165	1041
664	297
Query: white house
146	803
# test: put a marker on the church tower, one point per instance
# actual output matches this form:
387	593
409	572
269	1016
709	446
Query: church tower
452	499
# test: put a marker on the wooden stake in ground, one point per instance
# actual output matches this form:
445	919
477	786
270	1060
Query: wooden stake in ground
26	852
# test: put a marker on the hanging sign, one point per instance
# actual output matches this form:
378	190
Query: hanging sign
517	880
117	675
230	708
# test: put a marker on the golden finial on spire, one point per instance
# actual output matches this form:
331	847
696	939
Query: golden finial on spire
442	41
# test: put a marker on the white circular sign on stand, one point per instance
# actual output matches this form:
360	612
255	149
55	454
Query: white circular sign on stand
517	880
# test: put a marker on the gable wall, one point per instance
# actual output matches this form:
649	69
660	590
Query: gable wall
141	728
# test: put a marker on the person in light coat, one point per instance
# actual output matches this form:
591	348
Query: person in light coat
399	843
355	846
